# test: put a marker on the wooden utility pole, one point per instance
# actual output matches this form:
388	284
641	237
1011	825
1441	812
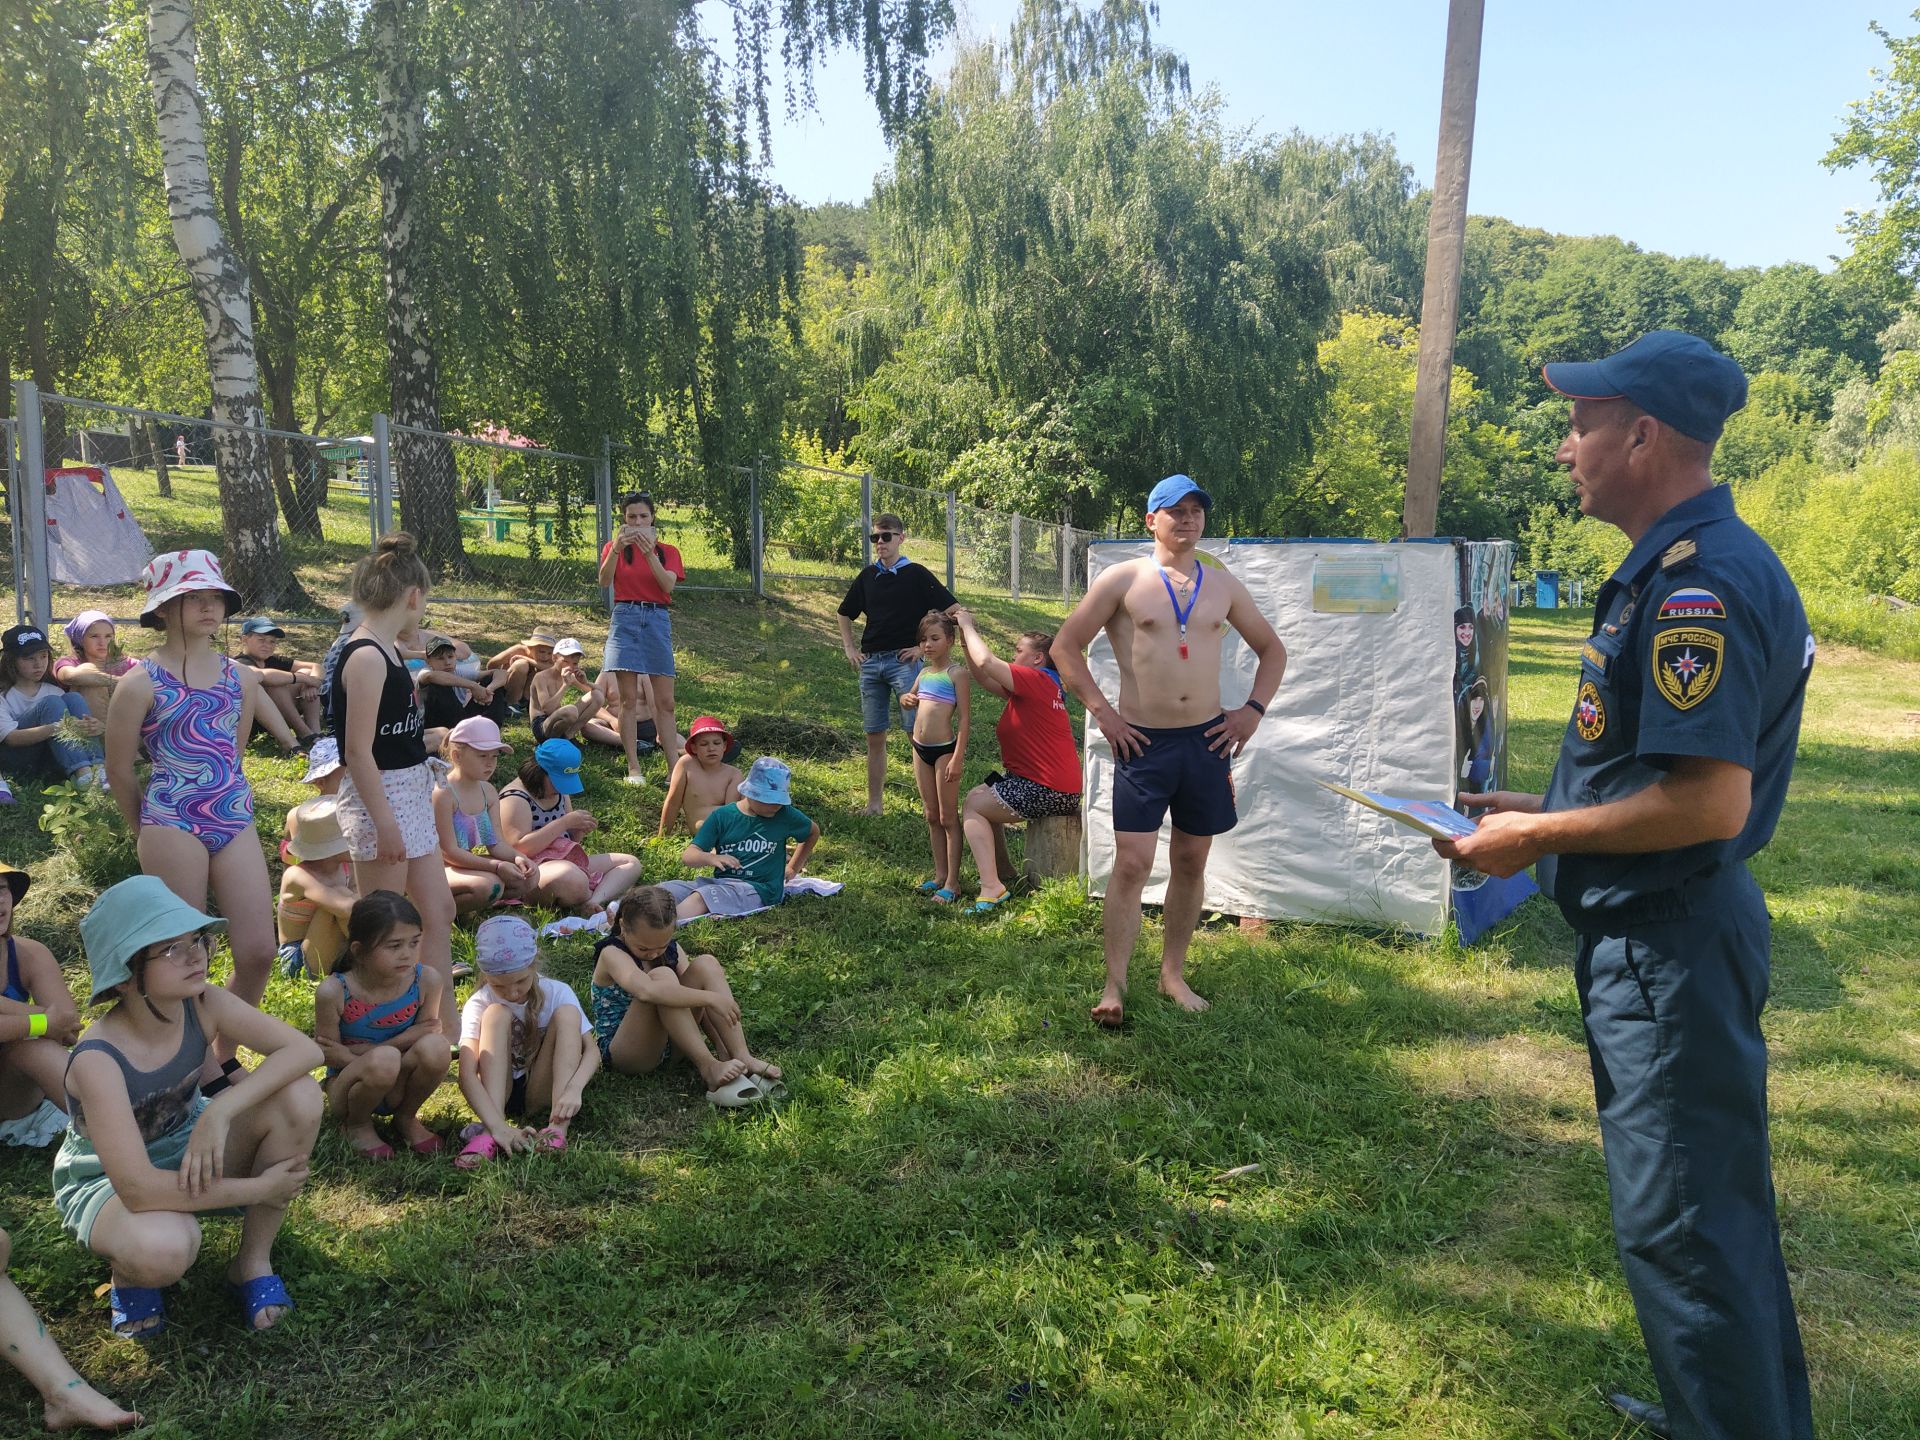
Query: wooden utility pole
1446	240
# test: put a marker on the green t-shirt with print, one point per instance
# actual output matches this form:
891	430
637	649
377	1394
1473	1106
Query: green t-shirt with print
760	845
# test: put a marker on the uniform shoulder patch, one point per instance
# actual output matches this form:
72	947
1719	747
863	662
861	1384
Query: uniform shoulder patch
1686	664
1678	553
1692	603
1589	712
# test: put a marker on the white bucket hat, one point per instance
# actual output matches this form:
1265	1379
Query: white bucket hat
181	572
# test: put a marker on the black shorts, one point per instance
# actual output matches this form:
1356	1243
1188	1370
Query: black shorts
1175	772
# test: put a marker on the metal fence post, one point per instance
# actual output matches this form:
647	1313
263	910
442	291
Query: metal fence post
9	430
866	518
380	494
37	589
953	533
1014	571
1066	554
603	506
757	523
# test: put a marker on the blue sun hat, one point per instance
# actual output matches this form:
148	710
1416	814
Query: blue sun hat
126	919
561	760
770	782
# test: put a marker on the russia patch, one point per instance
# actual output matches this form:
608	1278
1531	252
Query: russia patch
1692	604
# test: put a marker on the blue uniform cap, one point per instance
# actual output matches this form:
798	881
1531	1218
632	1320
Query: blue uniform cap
561	760
1172	490
1677	378
261	625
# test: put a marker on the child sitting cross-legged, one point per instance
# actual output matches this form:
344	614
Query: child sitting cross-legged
746	844
466	809
650	997
96	662
551	712
377	1018
702	780
526	1047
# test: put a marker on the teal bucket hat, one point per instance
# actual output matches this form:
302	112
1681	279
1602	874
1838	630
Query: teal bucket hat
126	919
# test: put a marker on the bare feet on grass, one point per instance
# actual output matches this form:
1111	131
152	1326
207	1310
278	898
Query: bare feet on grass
756	1066
1110	1012
1176	989
78	1406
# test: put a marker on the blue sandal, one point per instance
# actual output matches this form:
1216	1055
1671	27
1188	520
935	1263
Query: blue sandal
945	896
134	1303
987	907
257	1294
926	887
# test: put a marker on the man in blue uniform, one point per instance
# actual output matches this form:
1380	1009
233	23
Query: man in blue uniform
1672	772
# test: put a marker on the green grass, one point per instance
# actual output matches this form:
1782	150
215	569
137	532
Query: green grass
979	1216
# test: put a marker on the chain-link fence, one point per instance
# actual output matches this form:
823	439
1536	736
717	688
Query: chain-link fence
503	522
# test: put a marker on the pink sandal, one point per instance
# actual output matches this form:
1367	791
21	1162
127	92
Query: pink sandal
477	1151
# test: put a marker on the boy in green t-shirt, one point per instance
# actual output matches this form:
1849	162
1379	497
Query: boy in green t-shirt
746	844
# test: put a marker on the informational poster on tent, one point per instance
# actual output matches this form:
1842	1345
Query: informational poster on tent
1368	702
1480	718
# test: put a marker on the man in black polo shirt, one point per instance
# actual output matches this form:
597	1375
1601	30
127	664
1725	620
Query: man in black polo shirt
895	595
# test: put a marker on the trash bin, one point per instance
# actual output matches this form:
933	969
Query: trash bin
1546	589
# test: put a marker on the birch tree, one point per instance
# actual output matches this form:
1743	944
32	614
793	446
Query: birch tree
423	464
255	563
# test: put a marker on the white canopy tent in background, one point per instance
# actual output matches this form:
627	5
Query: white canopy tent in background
92	538
1372	689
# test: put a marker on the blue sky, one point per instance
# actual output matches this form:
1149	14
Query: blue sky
1691	126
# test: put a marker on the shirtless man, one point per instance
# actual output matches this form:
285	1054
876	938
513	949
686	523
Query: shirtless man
1172	745
702	780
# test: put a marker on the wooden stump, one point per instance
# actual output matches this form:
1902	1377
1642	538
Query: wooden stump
1053	847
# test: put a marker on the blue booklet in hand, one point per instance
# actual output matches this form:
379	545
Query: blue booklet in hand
1429	817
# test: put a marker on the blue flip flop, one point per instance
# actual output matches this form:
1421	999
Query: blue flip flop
945	896
134	1303
987	907
257	1294
926	887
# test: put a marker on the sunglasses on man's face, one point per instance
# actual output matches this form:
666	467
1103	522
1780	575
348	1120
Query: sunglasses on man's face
880	537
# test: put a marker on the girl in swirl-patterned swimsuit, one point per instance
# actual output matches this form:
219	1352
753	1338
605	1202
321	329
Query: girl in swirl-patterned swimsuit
192	708
192	736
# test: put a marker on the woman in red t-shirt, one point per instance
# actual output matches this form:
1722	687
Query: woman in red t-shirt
1036	747
642	569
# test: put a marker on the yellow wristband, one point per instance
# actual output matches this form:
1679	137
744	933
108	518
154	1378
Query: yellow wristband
36	1025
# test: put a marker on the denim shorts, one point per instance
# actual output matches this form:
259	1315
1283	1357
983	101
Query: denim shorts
884	677
640	639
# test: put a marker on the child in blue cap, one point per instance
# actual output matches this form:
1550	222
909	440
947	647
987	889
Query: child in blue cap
147	1151
538	819
745	843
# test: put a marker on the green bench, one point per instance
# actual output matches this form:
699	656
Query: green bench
502	524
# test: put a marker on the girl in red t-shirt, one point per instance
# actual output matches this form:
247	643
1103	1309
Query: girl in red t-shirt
642	569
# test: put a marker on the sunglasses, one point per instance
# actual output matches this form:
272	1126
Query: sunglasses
880	537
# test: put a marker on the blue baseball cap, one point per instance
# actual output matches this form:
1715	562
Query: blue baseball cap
261	625
769	781
1677	378
1172	490
561	760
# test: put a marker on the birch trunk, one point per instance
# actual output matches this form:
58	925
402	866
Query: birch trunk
255	564
423	469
